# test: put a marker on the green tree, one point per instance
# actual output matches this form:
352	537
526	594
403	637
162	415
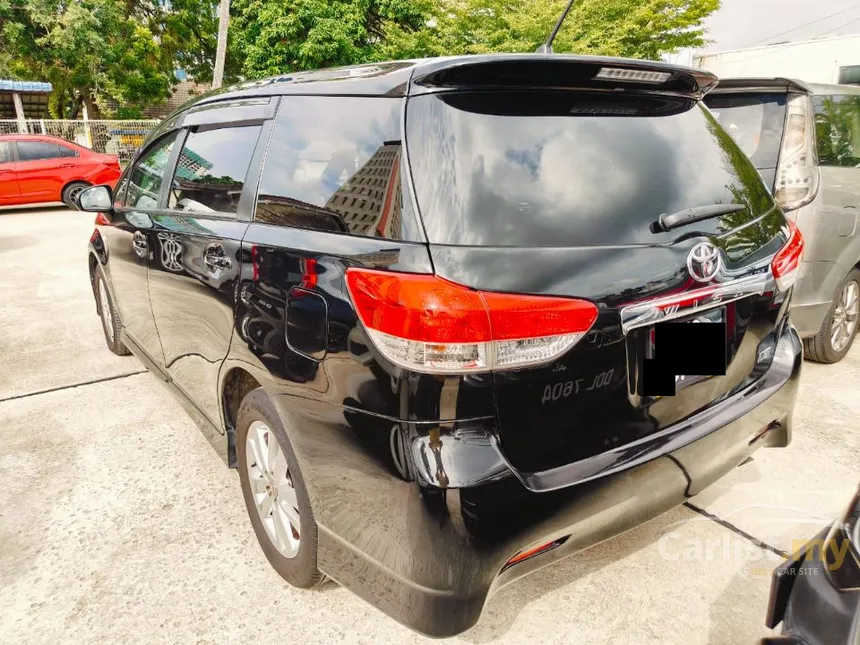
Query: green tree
275	36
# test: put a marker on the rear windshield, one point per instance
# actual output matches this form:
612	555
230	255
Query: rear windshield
755	121
563	169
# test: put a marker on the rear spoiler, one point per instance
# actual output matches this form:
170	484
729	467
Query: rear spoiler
762	85
558	71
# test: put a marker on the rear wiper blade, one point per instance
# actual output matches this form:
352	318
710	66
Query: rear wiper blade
668	221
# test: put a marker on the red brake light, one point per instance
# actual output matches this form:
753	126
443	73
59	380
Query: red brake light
430	324
786	263
102	220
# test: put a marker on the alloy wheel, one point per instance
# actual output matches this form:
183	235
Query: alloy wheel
845	316
272	489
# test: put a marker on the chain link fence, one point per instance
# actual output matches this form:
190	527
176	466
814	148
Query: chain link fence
119	138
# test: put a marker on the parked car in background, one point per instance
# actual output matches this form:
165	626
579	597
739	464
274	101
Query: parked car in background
419	305
805	141
41	168
815	594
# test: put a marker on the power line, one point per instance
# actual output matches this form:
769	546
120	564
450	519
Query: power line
807	24
839	27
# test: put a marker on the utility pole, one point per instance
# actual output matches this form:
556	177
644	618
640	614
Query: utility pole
221	51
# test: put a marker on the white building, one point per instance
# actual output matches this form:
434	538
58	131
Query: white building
823	60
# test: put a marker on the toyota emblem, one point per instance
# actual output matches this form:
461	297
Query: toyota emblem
704	262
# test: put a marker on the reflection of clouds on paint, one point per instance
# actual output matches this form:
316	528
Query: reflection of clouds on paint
575	179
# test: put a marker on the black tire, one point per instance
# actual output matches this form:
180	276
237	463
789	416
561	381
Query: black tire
71	191
111	325
299	570
819	348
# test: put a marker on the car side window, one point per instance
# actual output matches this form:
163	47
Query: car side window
36	150
211	169
67	152
334	164
837	130
5	152
147	175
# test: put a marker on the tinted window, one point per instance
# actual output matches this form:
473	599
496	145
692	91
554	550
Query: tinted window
33	150
147	176
755	121
564	169
837	130
5	152
67	152
334	164
211	169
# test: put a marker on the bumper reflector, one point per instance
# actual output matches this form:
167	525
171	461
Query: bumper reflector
530	553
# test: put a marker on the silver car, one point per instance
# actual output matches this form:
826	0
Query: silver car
805	141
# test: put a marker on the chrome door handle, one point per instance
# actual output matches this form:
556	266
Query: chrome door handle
139	244
215	259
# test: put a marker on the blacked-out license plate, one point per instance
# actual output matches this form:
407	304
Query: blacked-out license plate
679	354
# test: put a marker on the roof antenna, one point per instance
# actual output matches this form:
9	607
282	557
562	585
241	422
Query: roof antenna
546	48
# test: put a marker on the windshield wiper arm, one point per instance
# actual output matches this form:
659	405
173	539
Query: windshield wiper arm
668	221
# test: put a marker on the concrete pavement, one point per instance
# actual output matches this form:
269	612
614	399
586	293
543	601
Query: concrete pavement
119	524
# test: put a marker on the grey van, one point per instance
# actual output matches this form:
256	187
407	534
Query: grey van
804	139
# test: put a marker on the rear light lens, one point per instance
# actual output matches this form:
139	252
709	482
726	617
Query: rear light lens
428	324
796	180
786	263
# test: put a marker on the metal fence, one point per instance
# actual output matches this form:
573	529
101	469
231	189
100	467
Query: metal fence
120	138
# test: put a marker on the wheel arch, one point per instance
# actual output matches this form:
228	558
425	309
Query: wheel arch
235	385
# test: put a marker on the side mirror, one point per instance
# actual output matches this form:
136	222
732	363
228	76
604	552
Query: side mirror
96	199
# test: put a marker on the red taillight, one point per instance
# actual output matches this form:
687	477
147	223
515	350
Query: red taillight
786	263
429	324
102	220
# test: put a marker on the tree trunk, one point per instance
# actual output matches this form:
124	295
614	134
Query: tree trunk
92	106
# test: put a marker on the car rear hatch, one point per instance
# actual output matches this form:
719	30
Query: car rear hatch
550	180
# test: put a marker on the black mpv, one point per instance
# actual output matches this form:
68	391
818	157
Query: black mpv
437	313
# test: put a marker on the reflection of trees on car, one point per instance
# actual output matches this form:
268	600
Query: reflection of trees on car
837	130
748	189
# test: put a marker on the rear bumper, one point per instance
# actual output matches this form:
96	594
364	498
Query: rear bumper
431	560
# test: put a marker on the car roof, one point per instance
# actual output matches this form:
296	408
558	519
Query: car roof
742	84
407	77
38	137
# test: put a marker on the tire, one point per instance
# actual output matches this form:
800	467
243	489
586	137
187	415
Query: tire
111	325
71	191
292	553
821	348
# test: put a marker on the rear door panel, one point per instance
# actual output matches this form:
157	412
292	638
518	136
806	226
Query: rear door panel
196	261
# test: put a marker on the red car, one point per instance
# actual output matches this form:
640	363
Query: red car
38	168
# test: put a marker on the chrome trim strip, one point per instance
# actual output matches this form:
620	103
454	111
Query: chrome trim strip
685	303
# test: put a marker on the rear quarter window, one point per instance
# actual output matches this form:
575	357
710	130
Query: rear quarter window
335	164
837	130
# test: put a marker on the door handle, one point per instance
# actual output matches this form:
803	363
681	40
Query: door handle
139	244
3	172
215	259
66	165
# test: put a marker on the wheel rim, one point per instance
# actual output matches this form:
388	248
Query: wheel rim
844	323
272	489
73	194
107	316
